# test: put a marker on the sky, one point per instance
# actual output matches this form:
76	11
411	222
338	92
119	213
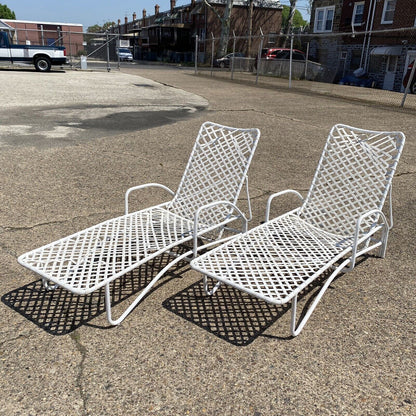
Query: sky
91	12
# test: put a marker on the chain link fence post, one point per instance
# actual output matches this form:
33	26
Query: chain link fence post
212	51
196	54
233	56
290	60
259	56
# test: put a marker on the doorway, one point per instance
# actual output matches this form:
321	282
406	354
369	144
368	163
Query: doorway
391	67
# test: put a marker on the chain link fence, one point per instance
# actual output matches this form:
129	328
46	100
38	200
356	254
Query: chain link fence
83	50
378	64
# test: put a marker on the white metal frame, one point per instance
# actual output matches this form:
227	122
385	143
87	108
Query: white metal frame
205	202
340	219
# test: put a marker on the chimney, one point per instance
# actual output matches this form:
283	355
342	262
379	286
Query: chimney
134	16
126	20
192	3
119	22
144	14
172	5
157	10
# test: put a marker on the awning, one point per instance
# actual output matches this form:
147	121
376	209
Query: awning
387	50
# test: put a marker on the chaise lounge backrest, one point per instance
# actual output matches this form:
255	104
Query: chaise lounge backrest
216	171
354	176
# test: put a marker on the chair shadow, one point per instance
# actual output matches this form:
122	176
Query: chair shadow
230	314
60	312
235	316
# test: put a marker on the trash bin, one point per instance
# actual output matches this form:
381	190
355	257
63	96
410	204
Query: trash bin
83	62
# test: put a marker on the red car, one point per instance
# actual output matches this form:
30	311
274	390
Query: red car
412	88
282	53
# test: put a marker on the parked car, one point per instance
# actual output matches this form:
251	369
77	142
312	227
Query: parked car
225	61
124	54
412	88
282	53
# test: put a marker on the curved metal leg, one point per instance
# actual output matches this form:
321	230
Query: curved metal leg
142	294
295	330
47	285
213	290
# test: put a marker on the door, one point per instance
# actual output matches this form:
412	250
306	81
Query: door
390	74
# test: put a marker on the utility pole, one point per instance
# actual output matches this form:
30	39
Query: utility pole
250	26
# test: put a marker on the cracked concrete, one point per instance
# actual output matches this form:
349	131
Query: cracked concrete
180	352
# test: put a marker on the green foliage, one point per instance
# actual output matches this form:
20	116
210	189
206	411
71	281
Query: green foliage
100	29
108	25
6	13
95	29
298	20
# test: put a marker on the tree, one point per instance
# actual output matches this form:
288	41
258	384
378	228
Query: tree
100	29
297	19
6	13
225	20
291	18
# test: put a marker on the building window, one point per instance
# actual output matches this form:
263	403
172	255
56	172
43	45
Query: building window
388	11
358	14
324	18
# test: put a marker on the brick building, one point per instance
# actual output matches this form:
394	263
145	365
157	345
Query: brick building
376	35
171	34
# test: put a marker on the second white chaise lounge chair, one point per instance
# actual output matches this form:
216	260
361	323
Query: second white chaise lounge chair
340	219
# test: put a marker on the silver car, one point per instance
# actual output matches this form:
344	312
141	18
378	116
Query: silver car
124	54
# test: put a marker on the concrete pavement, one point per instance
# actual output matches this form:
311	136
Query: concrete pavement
66	108
179	352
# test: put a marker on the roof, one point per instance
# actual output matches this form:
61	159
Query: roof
42	23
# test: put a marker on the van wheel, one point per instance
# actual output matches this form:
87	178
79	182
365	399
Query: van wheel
412	88
42	64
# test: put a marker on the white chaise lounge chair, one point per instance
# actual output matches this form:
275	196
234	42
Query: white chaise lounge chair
340	219
203	205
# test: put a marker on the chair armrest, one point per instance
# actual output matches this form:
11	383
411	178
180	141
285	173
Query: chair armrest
210	205
358	240
271	197
146	185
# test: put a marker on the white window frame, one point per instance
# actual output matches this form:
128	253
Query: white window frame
386	3
325	11
354	13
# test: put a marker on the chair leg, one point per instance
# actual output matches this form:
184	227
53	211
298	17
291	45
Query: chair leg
295	330
48	285
142	294
213	290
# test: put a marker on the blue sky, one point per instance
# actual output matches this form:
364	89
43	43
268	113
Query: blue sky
91	12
